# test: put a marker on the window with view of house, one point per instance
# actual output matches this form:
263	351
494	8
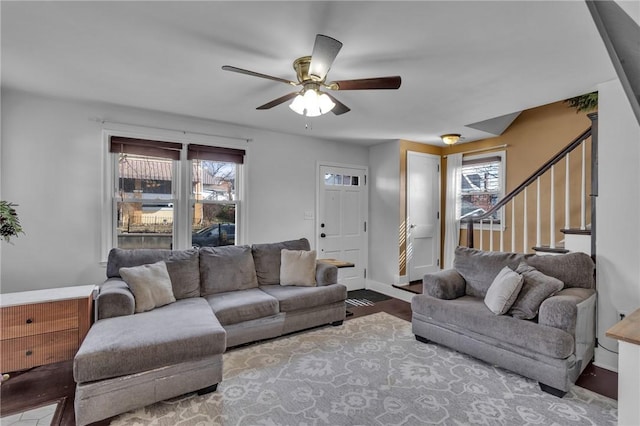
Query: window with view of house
152	209
482	185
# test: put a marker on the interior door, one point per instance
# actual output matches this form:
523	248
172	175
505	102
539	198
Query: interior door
342	221
423	214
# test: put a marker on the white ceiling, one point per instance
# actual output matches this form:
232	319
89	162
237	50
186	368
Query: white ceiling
460	62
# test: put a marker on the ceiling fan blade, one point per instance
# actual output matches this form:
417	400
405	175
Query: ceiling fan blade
278	101
368	83
340	108
257	74
324	53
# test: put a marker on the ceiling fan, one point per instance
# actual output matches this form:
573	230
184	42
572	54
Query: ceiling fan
311	73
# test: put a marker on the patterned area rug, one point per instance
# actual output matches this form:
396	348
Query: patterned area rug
370	371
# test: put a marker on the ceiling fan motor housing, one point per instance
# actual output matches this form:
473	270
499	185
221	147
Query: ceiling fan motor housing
301	65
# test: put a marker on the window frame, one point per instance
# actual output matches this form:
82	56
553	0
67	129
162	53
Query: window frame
181	187
236	201
502	181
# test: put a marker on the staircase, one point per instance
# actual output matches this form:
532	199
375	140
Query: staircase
552	211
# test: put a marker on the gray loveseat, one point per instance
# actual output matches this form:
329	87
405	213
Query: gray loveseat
225	296
552	348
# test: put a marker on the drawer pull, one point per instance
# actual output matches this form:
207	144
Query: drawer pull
29	353
29	320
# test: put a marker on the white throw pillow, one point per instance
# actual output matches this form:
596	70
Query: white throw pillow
503	291
150	285
298	267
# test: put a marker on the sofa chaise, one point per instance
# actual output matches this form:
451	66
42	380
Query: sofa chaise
548	337
224	297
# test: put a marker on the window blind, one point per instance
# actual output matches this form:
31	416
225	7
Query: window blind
214	153
147	147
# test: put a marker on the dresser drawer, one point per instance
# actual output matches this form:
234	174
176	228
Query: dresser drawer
26	352
38	318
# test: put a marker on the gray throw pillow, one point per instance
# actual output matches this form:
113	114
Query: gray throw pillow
536	288
503	291
298	267
150	285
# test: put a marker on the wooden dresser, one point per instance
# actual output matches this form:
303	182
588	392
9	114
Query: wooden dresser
43	326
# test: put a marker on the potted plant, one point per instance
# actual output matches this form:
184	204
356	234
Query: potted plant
9	222
586	102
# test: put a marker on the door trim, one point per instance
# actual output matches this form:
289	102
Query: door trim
404	279
316	225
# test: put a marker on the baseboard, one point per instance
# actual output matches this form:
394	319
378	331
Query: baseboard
605	367
606	360
389	290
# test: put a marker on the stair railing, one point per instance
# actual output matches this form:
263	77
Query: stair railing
548	166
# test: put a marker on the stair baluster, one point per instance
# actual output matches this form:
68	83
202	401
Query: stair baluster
549	166
552	210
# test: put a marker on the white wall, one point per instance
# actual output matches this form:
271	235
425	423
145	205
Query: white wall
52	167
618	205
384	212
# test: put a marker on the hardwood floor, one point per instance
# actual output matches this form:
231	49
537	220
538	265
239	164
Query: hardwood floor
53	382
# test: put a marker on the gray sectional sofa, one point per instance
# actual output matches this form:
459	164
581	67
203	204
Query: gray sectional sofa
224	297
553	347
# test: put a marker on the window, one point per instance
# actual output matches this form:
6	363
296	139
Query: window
482	185
172	195
213	195
342	180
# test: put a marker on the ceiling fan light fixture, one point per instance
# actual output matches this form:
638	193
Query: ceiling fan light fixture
450	138
325	103
297	105
312	103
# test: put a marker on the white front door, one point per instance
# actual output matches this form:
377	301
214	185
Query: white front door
423	214
342	221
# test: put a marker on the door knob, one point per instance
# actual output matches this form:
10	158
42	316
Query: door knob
323	235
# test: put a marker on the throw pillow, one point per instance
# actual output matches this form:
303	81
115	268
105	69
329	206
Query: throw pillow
298	267
503	291
150	285
536	288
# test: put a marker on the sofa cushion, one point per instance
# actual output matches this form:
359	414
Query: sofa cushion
183	267
267	258
226	268
126	258
184	270
479	268
150	285
503	291
182	331
294	298
537	287
298	267
244	305
573	269
470	313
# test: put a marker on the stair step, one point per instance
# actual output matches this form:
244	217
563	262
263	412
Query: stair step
576	231
547	249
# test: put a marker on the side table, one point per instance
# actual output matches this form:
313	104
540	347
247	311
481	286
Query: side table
43	326
339	264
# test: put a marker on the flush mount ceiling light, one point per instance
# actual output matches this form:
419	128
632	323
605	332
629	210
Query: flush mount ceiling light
450	138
